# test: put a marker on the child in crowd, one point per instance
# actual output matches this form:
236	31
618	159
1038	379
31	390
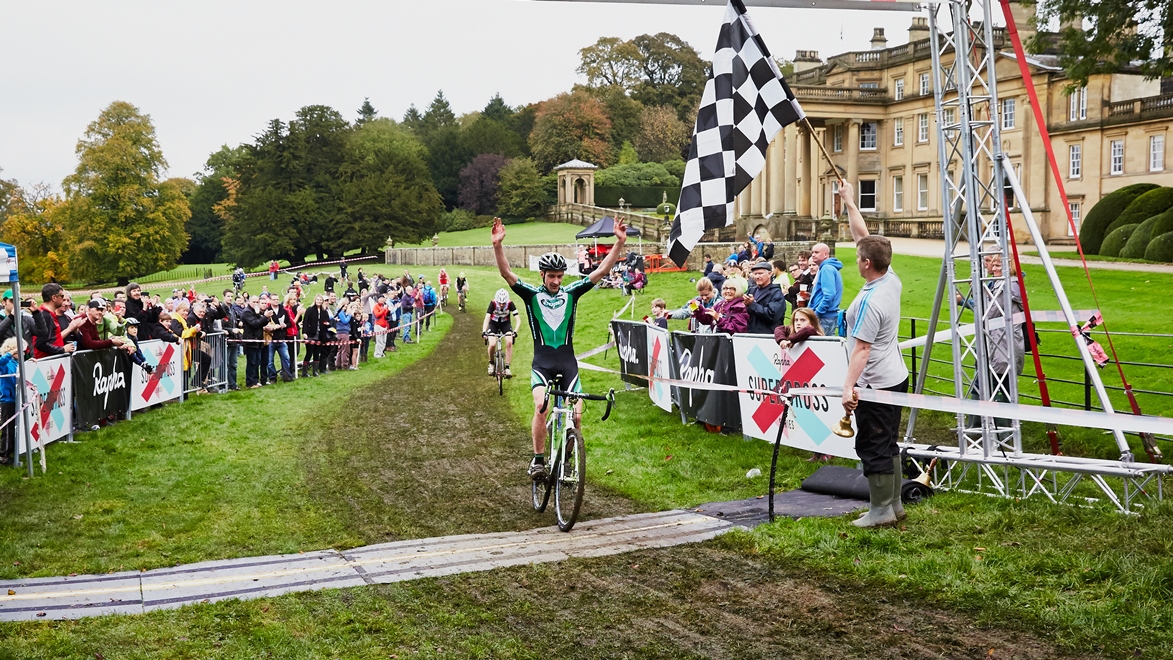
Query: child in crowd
137	356
659	316
804	324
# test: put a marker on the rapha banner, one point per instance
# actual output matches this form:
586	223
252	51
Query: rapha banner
659	365
631	340
816	362
101	384
706	358
49	385
167	381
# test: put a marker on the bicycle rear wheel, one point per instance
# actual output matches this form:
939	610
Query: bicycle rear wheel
570	480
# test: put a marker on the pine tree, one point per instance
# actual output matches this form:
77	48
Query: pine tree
366	113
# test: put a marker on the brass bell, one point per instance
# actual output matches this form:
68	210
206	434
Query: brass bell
843	428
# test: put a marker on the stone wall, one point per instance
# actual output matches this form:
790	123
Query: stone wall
480	255
787	250
518	255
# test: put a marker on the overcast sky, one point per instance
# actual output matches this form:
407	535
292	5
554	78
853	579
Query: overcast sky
213	72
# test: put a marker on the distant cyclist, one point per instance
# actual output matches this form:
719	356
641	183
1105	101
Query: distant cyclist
499	321
443	281
550	309
461	290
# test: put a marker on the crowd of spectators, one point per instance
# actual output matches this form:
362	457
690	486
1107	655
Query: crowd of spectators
279	333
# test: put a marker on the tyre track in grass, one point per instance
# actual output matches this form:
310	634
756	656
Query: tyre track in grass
434	451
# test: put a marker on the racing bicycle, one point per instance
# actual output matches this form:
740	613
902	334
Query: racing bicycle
566	469
499	358
463	299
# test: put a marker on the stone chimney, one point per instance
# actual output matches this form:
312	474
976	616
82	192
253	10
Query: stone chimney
1024	19
879	41
919	30
805	60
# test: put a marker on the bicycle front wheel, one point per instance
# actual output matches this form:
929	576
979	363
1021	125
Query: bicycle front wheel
570	480
499	361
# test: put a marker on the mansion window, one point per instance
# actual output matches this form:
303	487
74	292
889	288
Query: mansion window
922	192
1076	216
924	84
837	138
1077	105
1007	114
1156	153
899	94
922	127
1075	161
867	195
869	85
898	132
1117	152
867	136
897	193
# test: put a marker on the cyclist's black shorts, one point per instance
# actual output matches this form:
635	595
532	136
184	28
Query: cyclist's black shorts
500	327
549	362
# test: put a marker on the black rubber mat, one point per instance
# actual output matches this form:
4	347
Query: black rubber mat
790	504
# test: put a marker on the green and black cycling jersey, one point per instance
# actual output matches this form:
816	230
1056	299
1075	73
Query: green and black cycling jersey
551	322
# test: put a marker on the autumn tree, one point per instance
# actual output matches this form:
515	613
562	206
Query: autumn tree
571	126
662	135
479	182
611	62
33	225
123	220
521	194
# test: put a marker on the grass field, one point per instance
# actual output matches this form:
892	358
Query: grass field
528	233
155	492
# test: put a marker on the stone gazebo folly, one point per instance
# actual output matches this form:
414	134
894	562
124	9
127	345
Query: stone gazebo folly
576	182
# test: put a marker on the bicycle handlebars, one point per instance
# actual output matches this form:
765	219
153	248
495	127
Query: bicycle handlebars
575	396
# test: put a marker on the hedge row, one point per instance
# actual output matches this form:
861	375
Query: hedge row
1095	224
1128	222
637	196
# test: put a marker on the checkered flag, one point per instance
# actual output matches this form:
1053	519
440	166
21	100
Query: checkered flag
745	103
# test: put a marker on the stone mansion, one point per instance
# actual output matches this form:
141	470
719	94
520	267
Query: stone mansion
873	111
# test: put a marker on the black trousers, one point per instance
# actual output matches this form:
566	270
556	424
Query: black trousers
878	427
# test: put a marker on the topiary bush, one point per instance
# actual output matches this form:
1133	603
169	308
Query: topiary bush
1116	241
1153	202
1095	224
1160	248
1139	241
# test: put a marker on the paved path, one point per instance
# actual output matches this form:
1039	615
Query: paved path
926	247
80	596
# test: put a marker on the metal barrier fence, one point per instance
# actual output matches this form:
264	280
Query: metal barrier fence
1064	373
205	363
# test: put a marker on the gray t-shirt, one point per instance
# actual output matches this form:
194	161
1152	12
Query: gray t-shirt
874	317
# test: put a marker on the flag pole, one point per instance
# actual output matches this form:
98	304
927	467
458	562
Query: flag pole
822	148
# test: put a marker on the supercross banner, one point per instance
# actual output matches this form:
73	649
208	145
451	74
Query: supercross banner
167	381
706	358
659	365
816	362
631	340
49	385
101	384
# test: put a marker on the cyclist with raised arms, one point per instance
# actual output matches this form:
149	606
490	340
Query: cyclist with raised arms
499	321
550	309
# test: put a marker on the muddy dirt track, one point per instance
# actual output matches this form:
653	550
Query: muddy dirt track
434	451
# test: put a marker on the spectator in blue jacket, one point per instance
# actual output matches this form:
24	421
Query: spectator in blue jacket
827	292
430	300
7	399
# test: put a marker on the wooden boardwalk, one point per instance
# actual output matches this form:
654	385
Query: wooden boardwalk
259	577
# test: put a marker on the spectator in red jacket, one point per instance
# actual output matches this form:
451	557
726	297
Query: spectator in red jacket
87	333
47	335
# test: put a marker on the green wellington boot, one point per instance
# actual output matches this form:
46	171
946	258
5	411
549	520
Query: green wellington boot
897	484
880	493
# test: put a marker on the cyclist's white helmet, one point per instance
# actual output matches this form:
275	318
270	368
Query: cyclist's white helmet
551	261
502	297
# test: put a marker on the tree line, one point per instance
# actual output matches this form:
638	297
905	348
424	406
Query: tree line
321	185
